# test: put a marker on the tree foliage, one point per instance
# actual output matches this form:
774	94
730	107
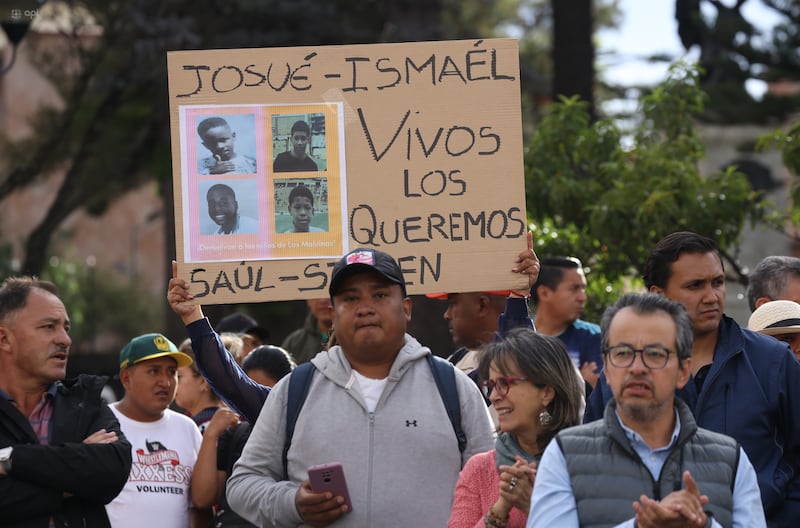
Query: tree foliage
589	197
787	142
111	133
734	50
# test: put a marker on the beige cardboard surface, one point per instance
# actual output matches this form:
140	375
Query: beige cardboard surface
422	157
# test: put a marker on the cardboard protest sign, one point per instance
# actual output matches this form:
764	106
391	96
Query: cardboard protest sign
284	159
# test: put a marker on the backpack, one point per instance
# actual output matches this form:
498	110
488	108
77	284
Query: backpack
444	375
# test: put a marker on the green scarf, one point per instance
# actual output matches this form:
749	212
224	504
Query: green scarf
506	450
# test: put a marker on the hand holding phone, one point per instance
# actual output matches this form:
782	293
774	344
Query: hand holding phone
330	477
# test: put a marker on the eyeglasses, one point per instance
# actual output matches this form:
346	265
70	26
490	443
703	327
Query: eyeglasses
501	384
653	357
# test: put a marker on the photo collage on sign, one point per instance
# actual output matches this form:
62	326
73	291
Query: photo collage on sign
262	182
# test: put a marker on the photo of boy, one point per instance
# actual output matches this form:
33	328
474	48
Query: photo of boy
300	205
296	158
218	137
223	210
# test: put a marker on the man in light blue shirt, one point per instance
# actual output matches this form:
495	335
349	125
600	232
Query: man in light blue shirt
646	464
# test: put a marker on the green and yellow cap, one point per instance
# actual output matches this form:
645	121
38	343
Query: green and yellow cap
151	346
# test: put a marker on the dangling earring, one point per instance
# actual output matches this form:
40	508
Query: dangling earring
545	417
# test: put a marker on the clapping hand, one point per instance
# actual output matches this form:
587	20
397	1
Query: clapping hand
678	509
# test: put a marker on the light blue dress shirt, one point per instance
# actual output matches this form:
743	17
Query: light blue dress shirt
553	503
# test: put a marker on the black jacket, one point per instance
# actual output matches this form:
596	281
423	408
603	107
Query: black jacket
67	479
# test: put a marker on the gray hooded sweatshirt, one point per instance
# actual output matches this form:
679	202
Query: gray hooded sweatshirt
401	462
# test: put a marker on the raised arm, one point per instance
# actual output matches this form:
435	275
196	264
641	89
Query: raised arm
528	264
180	300
216	365
517	312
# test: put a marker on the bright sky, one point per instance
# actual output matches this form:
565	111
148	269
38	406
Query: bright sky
649	27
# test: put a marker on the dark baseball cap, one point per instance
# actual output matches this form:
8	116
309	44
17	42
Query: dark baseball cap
151	346
241	323
360	260
237	323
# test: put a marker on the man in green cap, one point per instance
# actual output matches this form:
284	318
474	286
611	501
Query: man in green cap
164	443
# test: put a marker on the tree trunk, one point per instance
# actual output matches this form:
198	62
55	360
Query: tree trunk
573	51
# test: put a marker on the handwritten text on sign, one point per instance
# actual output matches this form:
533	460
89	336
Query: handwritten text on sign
433	147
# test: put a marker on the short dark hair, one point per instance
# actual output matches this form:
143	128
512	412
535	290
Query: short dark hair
650	303
221	187
551	273
272	360
658	267
300	126
543	360
300	191
770	277
14	293
208	123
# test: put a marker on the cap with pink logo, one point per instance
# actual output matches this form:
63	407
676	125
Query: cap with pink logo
360	260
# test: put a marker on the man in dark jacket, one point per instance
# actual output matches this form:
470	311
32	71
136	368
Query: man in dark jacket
62	454
744	384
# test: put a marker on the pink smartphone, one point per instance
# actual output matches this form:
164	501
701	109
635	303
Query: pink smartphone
330	477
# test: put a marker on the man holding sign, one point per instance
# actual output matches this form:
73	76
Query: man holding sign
372	405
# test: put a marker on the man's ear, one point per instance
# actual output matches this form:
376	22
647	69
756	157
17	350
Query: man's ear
684	373
605	362
762	300
5	337
483	304
125	378
407	305
656	289
543	292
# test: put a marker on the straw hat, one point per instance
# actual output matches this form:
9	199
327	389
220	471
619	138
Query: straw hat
776	317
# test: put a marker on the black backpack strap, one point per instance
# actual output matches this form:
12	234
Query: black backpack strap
445	376
299	382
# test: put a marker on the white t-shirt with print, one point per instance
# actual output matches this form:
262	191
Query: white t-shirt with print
157	492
